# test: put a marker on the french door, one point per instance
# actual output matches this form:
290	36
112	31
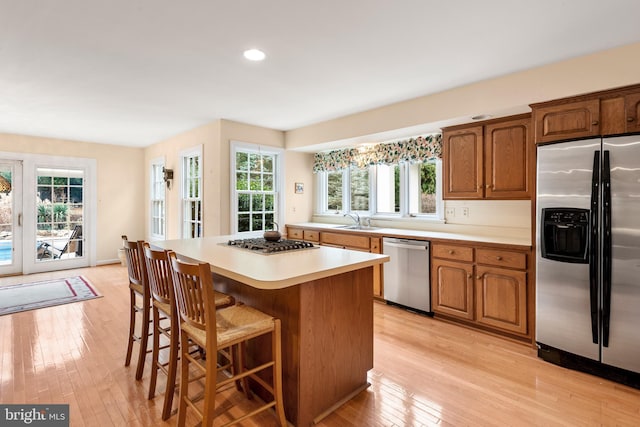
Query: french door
47	213
11	218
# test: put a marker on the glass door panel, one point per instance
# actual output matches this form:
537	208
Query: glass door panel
59	214
10	218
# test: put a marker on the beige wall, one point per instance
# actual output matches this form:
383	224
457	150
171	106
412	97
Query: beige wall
207	137
119	184
511	93
216	138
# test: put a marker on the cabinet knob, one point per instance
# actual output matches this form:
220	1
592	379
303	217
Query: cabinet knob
629	119
594	123
499	258
487	186
470	276
451	251
478	277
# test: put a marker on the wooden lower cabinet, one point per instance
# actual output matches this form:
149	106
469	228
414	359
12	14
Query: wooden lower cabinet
501	298
355	242
452	288
485	287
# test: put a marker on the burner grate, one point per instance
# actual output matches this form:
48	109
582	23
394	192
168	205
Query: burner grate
268	247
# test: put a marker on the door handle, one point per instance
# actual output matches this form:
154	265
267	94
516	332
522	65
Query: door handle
19	220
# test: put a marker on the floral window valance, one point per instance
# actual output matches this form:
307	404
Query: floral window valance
413	150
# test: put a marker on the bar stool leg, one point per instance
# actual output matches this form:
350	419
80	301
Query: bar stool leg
144	337
132	327
154	354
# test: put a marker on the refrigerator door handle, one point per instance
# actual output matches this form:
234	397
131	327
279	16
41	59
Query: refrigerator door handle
606	248
593	247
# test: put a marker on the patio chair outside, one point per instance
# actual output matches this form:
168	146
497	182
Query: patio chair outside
56	249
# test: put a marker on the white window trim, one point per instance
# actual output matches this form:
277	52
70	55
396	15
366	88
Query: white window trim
278	182
160	162
190	152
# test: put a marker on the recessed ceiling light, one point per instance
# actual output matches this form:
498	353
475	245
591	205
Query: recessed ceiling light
481	117
254	55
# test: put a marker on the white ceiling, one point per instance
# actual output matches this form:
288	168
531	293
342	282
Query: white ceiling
135	72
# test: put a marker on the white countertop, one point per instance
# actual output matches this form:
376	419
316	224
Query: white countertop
270	271
495	238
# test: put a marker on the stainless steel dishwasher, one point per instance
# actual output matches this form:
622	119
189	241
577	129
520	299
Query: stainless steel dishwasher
407	274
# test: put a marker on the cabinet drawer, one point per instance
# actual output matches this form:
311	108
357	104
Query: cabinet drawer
311	235
345	240
458	253
294	233
502	258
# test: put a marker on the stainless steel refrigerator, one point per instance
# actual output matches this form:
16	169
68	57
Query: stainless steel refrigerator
588	256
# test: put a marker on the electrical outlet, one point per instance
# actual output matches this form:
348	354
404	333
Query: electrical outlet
450	212
465	212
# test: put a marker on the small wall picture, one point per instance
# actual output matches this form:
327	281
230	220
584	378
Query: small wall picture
299	187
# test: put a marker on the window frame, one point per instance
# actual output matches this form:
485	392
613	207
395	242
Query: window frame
278	183
405	213
186	220
156	181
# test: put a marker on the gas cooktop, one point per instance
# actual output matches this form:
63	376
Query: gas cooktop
268	247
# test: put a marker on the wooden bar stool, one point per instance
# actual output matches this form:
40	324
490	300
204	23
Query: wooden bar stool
163	306
140	302
214	330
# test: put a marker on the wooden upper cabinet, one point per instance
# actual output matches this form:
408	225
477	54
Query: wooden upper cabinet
578	119
491	160
462	151
632	112
610	112
507	160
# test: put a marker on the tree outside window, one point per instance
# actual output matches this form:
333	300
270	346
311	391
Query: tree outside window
255	190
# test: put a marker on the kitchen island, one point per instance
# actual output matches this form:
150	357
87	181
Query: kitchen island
323	297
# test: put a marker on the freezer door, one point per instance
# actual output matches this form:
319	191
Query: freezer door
623	348
563	296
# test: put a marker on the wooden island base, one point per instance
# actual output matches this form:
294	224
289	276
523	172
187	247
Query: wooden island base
327	338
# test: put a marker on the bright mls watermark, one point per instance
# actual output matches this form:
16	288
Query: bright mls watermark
34	415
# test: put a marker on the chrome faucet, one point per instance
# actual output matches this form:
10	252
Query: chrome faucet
355	217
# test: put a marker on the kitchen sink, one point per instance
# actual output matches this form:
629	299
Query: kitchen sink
356	227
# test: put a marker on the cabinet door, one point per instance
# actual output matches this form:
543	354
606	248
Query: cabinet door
567	121
632	110
463	170
501	298
452	288
506	157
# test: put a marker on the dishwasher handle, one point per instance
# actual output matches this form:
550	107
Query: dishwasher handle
415	246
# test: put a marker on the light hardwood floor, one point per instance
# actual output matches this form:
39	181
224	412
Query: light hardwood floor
426	372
